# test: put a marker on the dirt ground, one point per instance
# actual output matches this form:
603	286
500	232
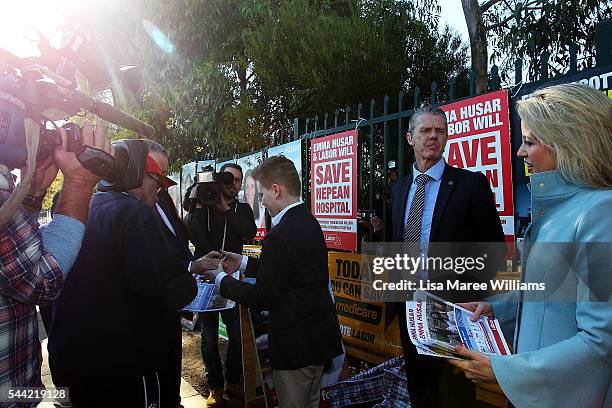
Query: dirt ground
193	367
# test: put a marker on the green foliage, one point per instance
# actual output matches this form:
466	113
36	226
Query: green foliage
223	77
525	29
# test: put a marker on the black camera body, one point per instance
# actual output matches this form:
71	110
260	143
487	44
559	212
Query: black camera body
208	187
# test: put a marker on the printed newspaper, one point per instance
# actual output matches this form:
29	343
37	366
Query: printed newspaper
436	327
209	299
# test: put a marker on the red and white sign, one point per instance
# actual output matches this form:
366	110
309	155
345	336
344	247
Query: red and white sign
333	178
479	140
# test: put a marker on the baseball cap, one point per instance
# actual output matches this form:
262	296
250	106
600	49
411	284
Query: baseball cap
152	167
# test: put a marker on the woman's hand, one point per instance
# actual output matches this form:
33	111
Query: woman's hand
477	367
478	308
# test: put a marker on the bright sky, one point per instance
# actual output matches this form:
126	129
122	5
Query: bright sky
452	14
17	15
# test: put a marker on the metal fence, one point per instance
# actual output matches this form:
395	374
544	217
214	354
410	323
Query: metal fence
382	127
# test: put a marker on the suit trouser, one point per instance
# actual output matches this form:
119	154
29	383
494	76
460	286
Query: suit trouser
105	390
299	388
433	382
170	371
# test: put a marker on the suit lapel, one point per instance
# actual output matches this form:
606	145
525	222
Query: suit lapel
447	184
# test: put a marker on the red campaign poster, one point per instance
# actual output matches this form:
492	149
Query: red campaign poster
479	140
333	188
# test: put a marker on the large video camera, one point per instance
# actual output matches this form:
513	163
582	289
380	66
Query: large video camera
208	187
44	89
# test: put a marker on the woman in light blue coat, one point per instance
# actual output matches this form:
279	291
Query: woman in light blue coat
562	335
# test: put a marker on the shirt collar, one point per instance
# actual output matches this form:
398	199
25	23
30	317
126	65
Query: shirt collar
278	217
435	171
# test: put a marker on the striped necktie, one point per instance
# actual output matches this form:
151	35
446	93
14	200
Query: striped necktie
412	230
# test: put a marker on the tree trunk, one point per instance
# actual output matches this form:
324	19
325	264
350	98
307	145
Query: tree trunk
478	42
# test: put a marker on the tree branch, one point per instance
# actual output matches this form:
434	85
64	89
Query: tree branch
488	5
500	24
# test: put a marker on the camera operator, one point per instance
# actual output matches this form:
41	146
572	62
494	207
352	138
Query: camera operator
35	264
221	223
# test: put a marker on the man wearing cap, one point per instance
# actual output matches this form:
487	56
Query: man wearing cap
110	335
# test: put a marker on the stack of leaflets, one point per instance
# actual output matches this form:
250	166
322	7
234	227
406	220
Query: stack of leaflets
209	299
436	327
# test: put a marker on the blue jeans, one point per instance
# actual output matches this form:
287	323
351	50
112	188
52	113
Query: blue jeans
210	347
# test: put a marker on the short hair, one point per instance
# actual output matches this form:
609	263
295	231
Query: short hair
425	110
232	166
155	147
575	122
279	170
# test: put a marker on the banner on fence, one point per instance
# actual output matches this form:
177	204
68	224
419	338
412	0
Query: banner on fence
479	140
292	151
248	190
333	188
365	332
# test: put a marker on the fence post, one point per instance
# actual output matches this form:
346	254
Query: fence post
347	117
307	123
325	117
573	51
296	128
386	163
316	125
336	114
400	137
360	197
372	155
416	99
544	65
472	77
495	79
603	43
434	91
518	71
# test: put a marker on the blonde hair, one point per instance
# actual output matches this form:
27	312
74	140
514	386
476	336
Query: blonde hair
575	121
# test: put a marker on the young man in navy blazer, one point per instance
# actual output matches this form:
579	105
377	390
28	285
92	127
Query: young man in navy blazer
292	283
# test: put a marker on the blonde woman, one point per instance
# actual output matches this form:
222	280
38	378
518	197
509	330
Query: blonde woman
563	336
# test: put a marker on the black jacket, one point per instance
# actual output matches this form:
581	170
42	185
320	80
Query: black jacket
206	228
464	216
464	213
292	283
121	296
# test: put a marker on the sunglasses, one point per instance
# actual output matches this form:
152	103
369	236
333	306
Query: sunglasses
158	182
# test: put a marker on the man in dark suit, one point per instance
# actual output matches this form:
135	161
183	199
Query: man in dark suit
125	267
292	283
177	240
437	203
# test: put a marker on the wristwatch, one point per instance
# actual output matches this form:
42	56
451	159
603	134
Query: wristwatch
33	202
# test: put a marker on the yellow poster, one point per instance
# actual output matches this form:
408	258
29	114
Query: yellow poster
362	323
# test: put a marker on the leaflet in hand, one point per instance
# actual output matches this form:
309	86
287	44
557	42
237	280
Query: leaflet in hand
209	299
436	327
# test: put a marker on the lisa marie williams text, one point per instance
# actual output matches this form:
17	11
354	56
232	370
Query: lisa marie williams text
502	285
